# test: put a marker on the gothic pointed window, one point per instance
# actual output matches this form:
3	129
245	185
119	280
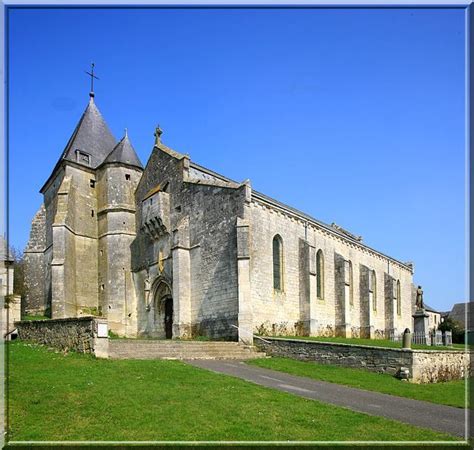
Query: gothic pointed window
320	275
277	263
399	298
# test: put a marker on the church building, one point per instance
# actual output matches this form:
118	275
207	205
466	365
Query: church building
175	250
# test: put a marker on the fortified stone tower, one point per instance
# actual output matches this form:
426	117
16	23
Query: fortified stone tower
78	257
117	179
70	200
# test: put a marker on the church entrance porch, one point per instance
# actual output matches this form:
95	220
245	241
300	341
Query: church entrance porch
161	323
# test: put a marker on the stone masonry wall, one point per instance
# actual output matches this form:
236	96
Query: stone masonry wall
35	266
435	366
375	359
76	334
200	229
279	312
424	366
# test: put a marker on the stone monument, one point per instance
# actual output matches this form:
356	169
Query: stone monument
420	320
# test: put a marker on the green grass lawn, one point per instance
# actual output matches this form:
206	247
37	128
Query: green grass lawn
451	393
371	342
77	397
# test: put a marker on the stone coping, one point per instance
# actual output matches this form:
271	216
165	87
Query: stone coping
172	341
376	347
62	320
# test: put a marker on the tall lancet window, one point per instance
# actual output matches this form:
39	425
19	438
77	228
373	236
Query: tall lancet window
349	291
277	263
399	298
320	275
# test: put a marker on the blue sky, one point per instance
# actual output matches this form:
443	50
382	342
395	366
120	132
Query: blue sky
355	116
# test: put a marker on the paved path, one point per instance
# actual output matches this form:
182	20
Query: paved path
442	418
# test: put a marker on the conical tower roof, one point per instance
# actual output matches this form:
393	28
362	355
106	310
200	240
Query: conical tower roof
91	136
90	142
124	153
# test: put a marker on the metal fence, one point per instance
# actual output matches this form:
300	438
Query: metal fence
435	338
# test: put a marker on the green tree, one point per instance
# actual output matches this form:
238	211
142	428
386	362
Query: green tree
455	327
19	272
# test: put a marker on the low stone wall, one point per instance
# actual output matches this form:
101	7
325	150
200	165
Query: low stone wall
424	366
81	334
431	366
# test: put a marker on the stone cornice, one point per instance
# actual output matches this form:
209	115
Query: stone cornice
301	217
116	208
59	225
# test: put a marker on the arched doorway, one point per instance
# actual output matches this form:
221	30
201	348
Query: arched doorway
163	311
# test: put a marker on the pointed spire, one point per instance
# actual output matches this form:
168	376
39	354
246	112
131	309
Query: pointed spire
91	137
124	153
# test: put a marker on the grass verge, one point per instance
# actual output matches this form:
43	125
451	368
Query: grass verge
450	393
369	342
76	397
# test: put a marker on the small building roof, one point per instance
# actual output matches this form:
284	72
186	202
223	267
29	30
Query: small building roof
124	153
458	313
429	308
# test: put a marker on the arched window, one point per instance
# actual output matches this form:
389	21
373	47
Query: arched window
399	299
277	263
320	275
373	289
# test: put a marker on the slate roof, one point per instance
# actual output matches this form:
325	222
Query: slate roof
429	308
92	136
458	313
124	153
297	212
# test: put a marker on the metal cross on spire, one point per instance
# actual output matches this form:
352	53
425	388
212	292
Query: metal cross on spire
91	74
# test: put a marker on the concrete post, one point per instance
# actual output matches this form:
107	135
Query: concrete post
406	339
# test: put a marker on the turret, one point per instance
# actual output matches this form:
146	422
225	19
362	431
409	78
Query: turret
117	179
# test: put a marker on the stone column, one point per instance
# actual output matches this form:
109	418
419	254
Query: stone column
181	281
245	318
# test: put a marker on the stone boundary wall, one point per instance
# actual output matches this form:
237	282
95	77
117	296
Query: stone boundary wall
425	366
81	334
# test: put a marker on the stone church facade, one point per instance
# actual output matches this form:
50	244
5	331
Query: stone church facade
175	250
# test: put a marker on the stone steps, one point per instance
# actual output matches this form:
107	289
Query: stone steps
169	349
